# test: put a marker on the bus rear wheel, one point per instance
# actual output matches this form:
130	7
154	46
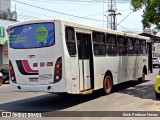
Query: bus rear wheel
141	79
107	84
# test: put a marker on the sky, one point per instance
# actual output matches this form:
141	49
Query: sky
76	10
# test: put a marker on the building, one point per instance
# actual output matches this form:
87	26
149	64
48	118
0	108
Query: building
4	41
155	41
7	17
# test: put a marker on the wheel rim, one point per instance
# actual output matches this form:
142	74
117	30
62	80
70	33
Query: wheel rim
108	84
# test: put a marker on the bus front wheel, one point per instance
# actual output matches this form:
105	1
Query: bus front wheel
107	84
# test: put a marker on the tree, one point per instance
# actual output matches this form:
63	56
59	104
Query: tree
151	12
7	15
3	15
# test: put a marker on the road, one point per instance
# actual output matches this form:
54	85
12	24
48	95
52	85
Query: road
128	96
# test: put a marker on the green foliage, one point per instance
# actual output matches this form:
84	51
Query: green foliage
151	13
137	4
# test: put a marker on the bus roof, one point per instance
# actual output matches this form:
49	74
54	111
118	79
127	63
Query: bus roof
79	25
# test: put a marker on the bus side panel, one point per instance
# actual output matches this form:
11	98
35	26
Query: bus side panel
141	62
121	64
70	66
74	73
101	65
131	67
137	69
62	85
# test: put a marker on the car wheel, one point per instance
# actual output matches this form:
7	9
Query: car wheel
157	95
1	81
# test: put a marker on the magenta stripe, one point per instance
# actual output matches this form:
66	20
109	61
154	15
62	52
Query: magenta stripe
27	67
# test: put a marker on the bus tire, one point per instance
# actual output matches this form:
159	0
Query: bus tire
157	95
107	84
144	72
141	79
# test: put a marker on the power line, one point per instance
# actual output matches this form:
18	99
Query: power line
80	1
51	17
90	15
33	12
56	11
127	29
124	18
63	13
69	2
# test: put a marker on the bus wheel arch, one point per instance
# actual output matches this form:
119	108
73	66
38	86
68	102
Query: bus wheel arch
144	72
107	82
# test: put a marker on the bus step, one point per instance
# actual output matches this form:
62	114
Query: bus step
86	92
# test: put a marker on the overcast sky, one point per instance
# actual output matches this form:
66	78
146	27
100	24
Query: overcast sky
92	9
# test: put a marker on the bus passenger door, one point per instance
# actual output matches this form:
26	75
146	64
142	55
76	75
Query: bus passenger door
85	60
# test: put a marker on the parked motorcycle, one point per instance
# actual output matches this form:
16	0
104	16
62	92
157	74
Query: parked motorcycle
1	76
4	73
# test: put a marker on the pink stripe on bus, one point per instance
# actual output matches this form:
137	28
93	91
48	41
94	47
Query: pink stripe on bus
27	68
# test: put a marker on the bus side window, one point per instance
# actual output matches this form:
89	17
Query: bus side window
121	46
112	47
70	41
99	43
143	47
137	47
129	44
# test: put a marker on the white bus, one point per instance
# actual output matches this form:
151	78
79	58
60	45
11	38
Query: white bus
58	56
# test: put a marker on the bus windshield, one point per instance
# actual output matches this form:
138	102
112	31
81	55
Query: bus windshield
32	36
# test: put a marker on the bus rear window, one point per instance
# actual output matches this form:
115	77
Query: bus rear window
32	36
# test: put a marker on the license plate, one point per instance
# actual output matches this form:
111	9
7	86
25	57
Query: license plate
33	79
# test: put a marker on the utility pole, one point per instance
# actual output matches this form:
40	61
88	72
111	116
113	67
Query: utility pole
112	13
